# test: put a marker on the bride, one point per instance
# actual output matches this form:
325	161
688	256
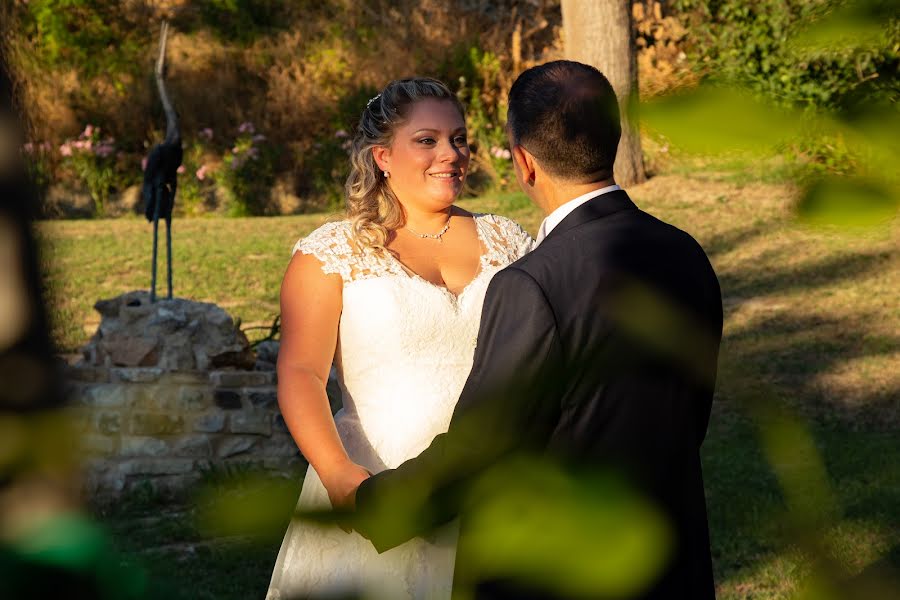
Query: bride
393	296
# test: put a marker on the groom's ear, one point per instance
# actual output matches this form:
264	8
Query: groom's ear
524	162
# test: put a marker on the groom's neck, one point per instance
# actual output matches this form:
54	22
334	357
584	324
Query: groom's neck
561	192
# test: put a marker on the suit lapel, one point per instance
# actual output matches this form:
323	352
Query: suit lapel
595	208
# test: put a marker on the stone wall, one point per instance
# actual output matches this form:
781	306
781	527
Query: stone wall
168	428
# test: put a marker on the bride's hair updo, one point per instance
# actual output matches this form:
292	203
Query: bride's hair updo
372	207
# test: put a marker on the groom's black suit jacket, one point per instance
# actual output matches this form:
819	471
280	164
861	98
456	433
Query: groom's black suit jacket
597	350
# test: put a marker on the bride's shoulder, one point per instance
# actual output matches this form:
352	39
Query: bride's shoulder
506	234
334	236
331	244
330	229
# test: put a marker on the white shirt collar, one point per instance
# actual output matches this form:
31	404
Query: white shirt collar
562	211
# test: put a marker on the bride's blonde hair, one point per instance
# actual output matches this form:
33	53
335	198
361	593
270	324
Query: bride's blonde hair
372	207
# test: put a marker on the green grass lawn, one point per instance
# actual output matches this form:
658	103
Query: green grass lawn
812	323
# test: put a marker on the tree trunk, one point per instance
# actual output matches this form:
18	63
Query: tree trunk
599	33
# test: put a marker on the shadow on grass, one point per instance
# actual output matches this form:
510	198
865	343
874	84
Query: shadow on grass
732	239
747	509
747	283
789	351
784	353
785	348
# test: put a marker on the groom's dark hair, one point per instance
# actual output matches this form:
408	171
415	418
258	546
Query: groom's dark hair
565	113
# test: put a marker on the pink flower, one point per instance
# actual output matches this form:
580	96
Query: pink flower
104	150
180	169
341	134
66	149
28	148
89	131
202	172
246	127
498	152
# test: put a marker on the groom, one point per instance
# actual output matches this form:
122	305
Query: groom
596	351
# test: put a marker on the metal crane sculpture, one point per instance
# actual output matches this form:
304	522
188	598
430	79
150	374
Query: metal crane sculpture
161	172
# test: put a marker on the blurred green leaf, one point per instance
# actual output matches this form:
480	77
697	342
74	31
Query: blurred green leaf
796	461
254	506
648	315
70	541
582	535
817	587
711	120
41	441
579	534
858	24
848	201
876	133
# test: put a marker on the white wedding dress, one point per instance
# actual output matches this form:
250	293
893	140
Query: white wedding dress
405	348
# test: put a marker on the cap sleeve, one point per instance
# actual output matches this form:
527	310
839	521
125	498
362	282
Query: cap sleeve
330	243
508	240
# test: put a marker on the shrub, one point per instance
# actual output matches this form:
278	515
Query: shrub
247	173
769	47
325	169
751	44
92	159
80	34
482	90
39	162
242	20
196	187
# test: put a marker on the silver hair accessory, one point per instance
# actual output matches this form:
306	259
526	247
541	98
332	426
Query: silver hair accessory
369	103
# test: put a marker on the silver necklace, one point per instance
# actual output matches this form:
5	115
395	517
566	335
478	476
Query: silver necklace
431	236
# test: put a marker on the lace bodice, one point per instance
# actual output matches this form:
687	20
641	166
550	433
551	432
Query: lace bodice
504	241
405	348
405	344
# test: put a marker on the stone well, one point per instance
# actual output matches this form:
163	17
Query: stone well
146	424
168	391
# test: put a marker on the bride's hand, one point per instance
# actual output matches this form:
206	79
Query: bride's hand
341	485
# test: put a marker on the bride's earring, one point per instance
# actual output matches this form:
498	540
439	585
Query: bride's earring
386	175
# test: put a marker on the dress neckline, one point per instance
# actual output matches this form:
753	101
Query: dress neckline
482	240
